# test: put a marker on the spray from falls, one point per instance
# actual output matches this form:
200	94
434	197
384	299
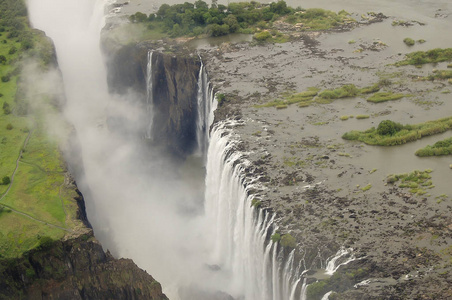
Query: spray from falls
136	200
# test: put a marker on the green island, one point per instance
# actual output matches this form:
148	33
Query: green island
389	133
443	147
426	57
198	19
37	199
315	95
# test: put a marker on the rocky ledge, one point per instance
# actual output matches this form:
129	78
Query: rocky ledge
76	268
332	194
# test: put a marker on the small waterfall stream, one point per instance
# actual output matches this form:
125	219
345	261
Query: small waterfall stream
206	106
149	96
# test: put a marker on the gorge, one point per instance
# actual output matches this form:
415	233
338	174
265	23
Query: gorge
254	201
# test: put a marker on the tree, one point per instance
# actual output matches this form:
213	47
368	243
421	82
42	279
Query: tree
201	5
6	180
388	127
232	22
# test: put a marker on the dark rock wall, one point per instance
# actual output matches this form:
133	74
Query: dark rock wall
77	268
175	89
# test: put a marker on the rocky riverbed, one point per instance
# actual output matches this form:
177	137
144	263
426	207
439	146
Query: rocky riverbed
331	193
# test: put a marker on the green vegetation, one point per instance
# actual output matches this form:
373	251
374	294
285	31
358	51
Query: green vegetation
194	19
439	74
425	57
417	181
409	41
361	117
443	147
314	95
344	118
346	91
276	237
384	96
366	188
390	133
256	203
338	282
288	241
35	203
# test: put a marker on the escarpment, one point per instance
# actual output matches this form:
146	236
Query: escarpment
135	71
76	268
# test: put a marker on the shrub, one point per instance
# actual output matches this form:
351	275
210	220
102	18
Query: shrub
2	59
262	36
221	98
388	127
12	50
288	241
6	108
6	180
409	41
6	78
276	237
9	126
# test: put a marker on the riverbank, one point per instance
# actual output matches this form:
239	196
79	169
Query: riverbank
331	193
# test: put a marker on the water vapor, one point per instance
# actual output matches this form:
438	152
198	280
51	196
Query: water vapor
140	203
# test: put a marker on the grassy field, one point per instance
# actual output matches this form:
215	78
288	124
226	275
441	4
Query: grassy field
37	200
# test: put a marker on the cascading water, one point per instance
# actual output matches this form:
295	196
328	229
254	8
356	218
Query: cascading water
135	206
149	96
206	106
257	267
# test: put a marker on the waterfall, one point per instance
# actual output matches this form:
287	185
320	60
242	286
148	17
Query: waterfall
332	264
206	106
257	267
149	97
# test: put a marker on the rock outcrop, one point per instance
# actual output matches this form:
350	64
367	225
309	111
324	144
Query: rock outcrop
76	268
174	91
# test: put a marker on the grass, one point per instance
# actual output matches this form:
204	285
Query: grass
315	95
425	57
402	135
439	74
384	96
417	181
38	188
443	147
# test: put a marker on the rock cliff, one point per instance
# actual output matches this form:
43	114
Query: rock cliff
174	91
76	268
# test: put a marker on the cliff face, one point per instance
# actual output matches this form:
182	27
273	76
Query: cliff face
174	92
76	268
